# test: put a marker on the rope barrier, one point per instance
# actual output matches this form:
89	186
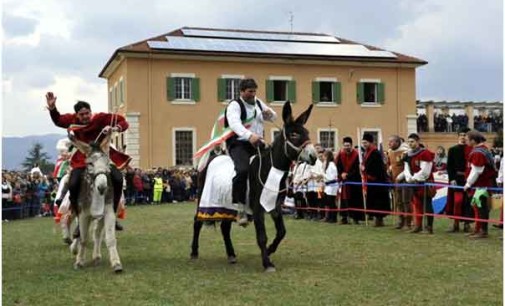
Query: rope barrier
397	213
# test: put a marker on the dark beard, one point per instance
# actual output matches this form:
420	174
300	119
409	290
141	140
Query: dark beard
250	101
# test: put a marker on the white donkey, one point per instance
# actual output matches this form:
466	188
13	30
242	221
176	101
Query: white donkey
95	203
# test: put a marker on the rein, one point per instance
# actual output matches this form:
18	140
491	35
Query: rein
298	150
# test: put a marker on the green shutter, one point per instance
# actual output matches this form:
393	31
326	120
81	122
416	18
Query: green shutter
269	90
360	89
292	91
121	92
170	89
195	89
315	92
381	91
337	92
221	89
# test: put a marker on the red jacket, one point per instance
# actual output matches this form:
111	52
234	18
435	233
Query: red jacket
89	133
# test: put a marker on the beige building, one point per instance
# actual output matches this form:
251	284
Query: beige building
173	86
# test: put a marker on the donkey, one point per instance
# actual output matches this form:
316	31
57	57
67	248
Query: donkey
95	204
293	143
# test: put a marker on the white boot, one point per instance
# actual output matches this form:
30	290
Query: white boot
242	216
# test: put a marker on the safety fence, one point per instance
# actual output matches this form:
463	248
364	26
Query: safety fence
391	186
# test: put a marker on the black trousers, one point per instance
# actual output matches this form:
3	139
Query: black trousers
74	186
240	152
300	204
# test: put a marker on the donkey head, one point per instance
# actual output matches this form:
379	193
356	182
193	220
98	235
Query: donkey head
97	172
296	138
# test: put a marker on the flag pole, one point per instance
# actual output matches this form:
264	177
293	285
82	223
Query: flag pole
363	177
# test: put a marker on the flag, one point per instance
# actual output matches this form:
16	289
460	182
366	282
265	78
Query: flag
218	135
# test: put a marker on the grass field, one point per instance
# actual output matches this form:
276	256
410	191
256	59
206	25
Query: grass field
317	264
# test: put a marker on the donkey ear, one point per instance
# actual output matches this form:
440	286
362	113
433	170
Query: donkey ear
287	113
302	119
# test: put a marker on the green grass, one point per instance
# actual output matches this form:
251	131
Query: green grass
317	264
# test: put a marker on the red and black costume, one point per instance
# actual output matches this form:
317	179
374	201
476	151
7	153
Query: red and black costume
458	204
377	197
351	195
89	133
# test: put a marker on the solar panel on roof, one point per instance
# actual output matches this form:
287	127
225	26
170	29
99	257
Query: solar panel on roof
260	36
276	47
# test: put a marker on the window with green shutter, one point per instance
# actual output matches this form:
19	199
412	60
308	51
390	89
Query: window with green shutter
291	91
269	85
121	92
221	89
381	91
195	89
316	97
337	92
371	93
360	92
170	89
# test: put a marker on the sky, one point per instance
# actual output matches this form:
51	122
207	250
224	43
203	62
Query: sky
61	46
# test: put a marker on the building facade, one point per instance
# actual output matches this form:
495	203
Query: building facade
172	87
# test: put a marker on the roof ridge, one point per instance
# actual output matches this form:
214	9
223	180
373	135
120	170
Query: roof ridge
255	31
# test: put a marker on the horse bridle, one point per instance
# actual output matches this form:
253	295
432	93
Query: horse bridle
287	143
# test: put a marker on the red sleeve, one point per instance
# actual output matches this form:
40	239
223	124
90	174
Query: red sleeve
427	156
478	159
64	120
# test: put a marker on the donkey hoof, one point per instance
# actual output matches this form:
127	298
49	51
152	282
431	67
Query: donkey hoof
97	261
270	270
118	268
67	241
78	266
74	247
232	260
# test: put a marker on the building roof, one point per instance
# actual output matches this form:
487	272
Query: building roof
261	44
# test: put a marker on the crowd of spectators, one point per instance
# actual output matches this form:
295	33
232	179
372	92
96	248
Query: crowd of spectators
32	193
450	123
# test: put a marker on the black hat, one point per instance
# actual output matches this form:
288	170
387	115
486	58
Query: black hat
348	139
368	137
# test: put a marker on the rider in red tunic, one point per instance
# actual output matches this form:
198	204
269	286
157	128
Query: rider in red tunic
89	128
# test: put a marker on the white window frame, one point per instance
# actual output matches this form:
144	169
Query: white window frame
376	103
286	78
183	129
335	141
379	133
234	77
183	75
327	103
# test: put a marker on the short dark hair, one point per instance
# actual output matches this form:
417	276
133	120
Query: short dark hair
463	130
247	84
414	136
348	139
80	105
476	136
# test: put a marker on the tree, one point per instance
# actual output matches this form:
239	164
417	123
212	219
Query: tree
37	156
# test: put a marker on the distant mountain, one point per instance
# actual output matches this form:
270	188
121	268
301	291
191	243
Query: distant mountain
15	149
